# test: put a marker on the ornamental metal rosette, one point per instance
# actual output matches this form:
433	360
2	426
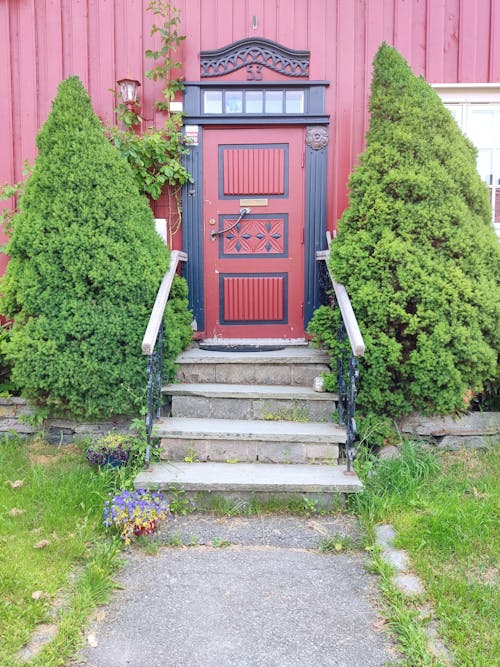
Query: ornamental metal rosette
254	54
317	137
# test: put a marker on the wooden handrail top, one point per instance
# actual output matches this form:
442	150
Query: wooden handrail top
156	317
350	322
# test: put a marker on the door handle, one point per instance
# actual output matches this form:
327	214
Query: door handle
243	213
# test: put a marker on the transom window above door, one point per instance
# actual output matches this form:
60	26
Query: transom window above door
235	103
255	101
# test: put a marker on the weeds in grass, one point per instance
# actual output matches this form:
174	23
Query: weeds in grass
191	456
392	483
58	505
336	543
403	619
220	543
225	506
178	502
445	510
296	504
148	546
310	505
175	540
295	413
92	588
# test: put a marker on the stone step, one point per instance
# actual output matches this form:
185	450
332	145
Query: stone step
184	438
289	366
246	480
239	401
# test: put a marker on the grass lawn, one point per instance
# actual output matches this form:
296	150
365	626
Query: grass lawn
53	549
446	511
54	552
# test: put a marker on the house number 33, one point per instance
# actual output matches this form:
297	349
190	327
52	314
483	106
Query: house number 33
254	72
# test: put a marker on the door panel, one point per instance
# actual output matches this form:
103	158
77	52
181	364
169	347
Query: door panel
254	266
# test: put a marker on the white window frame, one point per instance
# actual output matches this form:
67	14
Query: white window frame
462	98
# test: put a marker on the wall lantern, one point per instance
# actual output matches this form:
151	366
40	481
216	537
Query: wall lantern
128	91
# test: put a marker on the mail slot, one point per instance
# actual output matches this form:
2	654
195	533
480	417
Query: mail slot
254	202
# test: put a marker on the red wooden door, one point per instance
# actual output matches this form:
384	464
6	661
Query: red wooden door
254	268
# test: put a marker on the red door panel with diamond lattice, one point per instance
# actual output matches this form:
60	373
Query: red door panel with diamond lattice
253	221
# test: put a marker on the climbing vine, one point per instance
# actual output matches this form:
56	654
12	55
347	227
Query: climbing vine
156	155
166	64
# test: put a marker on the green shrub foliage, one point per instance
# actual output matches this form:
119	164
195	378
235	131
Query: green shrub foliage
418	254
86	263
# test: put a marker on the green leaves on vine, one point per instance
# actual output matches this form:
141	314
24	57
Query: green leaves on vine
170	42
155	156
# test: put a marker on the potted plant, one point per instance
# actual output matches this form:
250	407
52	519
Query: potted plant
135	513
112	449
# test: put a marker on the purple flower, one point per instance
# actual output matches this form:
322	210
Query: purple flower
135	512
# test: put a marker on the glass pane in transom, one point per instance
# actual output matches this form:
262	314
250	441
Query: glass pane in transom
212	101
254	101
233	102
294	101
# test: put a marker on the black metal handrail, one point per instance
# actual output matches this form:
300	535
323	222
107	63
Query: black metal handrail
152	347
347	363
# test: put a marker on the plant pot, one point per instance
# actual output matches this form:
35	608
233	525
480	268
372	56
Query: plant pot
111	458
114	461
146	529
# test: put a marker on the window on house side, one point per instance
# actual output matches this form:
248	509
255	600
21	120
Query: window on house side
481	124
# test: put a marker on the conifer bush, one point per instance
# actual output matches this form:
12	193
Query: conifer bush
85	266
418	254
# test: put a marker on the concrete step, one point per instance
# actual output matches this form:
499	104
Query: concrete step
184	438
239	401
247	480
290	366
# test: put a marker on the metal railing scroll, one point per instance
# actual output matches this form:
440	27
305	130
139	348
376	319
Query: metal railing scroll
351	347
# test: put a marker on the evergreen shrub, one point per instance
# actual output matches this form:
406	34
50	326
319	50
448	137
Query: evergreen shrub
417	253
85	266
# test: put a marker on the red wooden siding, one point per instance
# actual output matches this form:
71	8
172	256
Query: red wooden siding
43	41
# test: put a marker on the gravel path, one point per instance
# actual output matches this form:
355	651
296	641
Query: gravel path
254	591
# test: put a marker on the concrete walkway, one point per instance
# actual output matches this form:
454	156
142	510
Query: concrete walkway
252	591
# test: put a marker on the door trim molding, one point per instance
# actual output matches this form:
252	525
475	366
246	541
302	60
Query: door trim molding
314	228
314	222
192	232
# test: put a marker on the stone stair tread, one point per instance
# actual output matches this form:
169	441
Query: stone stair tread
264	391
243	429
250	477
289	355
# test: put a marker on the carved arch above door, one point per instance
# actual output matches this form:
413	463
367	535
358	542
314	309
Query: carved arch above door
254	54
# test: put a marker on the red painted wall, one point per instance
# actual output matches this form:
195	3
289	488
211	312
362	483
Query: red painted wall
44	41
